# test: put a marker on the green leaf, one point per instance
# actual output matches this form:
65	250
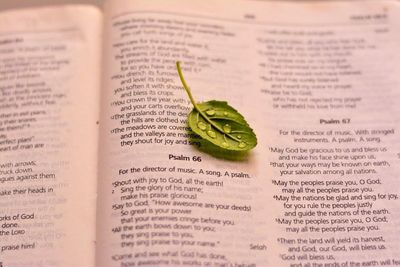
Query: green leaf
219	123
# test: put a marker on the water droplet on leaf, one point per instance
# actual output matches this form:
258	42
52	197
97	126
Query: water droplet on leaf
225	113
211	134
242	145
210	112
225	144
239	136
227	128
202	125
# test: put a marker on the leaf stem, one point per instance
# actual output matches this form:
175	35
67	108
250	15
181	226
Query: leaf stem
187	89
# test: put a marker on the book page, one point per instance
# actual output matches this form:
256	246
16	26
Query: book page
49	98
318	83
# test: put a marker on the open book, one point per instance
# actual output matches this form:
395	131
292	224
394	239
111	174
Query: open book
98	166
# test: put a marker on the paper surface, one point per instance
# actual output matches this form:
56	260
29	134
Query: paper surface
49	72
316	81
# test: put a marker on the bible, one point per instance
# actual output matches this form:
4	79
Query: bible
98	166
